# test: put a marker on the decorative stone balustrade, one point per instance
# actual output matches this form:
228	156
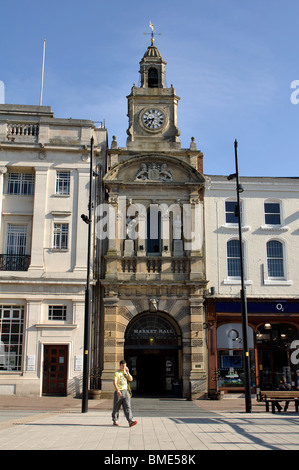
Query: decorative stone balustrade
22	130
143	267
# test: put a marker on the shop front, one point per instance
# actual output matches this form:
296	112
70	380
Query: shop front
273	330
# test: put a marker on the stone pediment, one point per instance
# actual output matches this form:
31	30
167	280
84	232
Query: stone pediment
153	169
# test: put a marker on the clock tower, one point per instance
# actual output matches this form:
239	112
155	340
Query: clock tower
152	108
154	277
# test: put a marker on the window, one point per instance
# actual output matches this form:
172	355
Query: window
233	259
60	241
20	184
153	245
230	362
11	337
231	212
63	183
16	239
57	312
275	259
15	258
152	78
272	213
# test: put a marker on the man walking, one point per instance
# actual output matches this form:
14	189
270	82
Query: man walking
122	395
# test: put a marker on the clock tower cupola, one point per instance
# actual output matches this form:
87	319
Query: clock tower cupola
152	69
152	107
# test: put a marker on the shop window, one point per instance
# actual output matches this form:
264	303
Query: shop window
11	337
230	355
274	345
231	368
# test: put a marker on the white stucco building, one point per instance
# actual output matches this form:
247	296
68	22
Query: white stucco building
270	231
44	189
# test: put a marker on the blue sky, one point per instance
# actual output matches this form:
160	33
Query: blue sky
231	62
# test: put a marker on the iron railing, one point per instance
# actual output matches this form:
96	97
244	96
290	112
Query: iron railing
14	262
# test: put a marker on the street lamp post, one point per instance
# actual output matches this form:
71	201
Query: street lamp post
86	346
247	384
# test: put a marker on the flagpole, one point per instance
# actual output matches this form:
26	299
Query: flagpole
42	81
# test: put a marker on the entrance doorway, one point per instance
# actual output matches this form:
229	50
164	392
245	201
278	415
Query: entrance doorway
55	370
152	348
155	372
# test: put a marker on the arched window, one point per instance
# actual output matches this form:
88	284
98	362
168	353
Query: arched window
152	78
275	259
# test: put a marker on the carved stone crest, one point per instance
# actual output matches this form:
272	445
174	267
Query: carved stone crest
153	172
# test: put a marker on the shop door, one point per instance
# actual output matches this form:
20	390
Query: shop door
55	370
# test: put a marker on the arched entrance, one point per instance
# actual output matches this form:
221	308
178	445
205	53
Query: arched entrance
152	346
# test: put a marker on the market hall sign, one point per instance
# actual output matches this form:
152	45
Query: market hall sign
281	307
154	331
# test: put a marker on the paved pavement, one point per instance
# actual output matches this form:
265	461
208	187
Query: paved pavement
164	424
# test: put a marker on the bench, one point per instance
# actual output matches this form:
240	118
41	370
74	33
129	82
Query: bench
277	396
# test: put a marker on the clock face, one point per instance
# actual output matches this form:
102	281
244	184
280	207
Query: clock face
153	119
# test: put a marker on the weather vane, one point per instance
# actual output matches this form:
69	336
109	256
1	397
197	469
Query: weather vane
152	33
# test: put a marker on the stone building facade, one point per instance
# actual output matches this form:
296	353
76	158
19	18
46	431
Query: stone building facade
154	276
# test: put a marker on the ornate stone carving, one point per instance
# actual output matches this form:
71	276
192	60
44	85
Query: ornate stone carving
153	304
153	172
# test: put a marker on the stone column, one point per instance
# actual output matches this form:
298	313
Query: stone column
198	374
81	232
39	219
3	170
111	354
32	349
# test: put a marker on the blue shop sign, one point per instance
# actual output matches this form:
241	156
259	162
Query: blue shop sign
281	306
